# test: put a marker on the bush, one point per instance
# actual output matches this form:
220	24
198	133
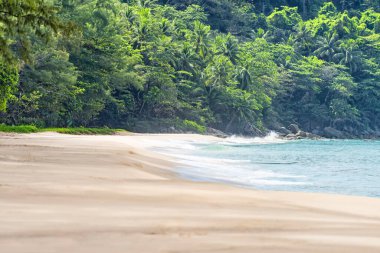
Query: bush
193	126
74	131
83	131
18	129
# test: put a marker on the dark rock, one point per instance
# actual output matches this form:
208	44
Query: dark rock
216	132
171	130
291	137
331	132
251	130
348	129
294	128
283	131
302	134
316	132
312	136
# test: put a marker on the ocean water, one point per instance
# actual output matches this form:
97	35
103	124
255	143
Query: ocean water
350	167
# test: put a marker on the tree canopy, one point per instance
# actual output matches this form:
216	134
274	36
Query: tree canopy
239	66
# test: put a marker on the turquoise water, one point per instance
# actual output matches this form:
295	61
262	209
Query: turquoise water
349	167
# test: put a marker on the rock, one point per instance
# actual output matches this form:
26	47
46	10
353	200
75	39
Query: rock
366	133
294	128
283	131
302	134
331	132
312	136
216	132
171	130
251	130
316	132
291	137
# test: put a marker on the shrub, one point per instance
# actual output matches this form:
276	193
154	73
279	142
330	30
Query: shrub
190	125
18	129
74	131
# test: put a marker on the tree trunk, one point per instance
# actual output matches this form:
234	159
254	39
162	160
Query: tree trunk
304	8
263	10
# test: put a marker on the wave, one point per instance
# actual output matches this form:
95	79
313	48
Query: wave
238	172
205	161
271	138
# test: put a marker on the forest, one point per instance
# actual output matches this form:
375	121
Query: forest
238	66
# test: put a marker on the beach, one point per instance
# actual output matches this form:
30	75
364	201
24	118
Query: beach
64	193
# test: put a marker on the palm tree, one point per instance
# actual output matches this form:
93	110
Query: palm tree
243	76
130	15
302	39
201	34
328	46
228	45
277	35
146	3
185	59
349	57
141	29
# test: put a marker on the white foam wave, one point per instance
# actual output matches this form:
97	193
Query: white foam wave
239	172
272	137
234	171
169	145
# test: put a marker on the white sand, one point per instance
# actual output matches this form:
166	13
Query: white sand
90	194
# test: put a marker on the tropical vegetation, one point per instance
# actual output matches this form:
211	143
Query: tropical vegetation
240	66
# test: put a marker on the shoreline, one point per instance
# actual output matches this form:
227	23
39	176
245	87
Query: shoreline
110	194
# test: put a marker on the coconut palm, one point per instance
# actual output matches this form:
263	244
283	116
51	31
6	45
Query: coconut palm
228	45
328	46
302	39
146	3
185	59
349	57
243	76
201	34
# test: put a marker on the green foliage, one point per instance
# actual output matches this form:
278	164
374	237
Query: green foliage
73	131
328	9
21	18
8	81
193	126
286	18
238	66
18	129
83	131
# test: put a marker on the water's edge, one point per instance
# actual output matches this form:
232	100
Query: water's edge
349	167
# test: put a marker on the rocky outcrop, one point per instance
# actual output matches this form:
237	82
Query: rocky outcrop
216	132
293	132
302	134
251	130
331	132
283	131
294	128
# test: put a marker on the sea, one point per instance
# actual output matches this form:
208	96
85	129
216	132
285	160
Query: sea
349	167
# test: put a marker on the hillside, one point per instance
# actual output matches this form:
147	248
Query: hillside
238	66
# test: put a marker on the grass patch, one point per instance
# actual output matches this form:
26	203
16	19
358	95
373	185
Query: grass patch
18	129
71	130
83	131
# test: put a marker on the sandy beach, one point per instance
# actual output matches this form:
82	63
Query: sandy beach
91	194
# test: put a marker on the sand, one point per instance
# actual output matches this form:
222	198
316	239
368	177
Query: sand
90	194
